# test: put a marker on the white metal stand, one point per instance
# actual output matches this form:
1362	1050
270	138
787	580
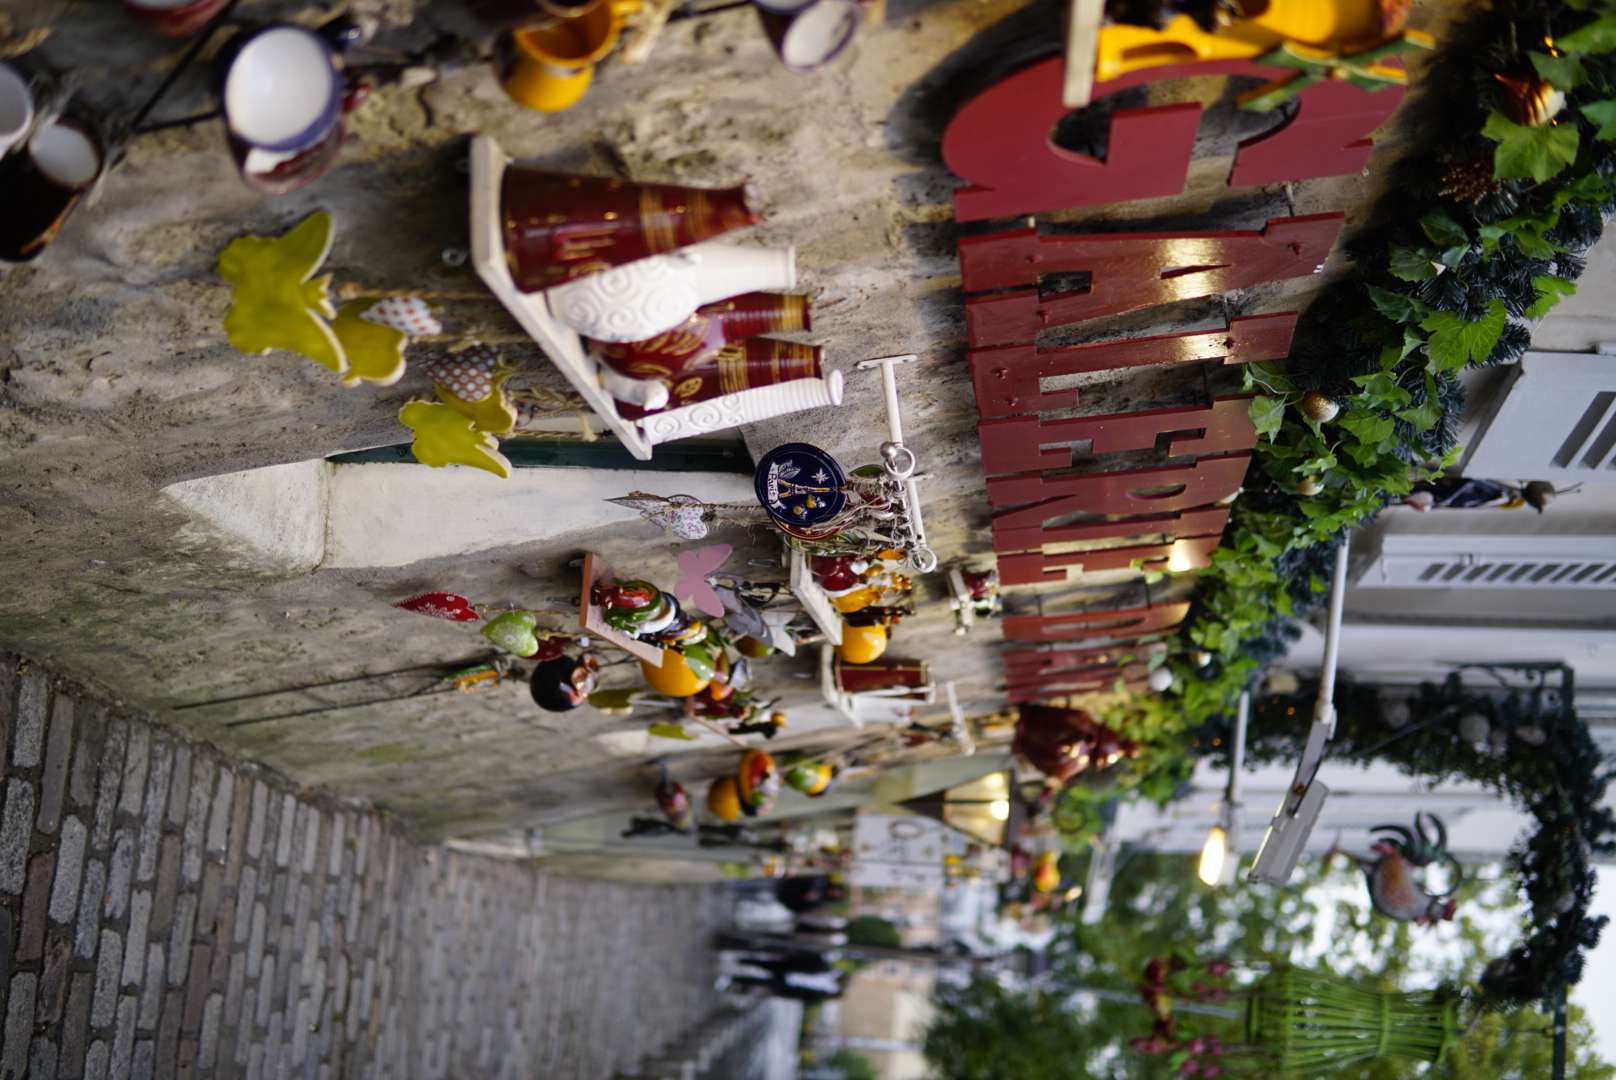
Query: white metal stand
813	598
899	462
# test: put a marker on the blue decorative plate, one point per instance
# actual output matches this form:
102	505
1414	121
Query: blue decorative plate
800	485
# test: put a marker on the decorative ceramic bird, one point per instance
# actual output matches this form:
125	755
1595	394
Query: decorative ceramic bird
1392	888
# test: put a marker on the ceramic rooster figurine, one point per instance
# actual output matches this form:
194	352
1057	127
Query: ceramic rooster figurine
1392	888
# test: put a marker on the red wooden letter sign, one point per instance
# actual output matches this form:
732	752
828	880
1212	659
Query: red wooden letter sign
1130	491
1025	529
1000	141
1037	568
1009	379
1015	444
1128	271
1122	623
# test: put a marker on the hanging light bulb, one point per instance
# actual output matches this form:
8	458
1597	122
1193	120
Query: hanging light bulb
1213	855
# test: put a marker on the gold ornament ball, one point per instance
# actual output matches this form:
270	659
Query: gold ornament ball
1310	485
1318	407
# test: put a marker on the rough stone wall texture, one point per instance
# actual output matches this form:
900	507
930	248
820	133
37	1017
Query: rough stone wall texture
166	911
116	379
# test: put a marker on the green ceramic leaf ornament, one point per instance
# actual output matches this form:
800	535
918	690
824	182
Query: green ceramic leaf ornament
513	632
375	352
444	437
276	304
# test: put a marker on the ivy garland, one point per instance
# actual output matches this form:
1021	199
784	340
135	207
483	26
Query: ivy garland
1487	228
1527	744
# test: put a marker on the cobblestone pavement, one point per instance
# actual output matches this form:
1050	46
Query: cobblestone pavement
166	912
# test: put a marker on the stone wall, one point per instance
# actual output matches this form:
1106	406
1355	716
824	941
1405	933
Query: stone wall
166	911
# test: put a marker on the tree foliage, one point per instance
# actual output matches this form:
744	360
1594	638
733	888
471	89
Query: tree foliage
993	1030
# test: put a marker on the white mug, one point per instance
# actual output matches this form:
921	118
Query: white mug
16	108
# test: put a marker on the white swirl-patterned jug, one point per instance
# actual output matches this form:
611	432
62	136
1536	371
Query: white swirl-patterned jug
650	296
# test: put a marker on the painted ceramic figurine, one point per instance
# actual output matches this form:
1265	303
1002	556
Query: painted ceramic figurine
645	611
564	683
1392	889
674	802
1060	743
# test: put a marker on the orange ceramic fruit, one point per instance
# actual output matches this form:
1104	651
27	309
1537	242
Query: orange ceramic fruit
857	600
724	799
861	644
752	647
674	678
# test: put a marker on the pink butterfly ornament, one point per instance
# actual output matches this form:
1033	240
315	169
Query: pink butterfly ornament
692	586
407	314
441	605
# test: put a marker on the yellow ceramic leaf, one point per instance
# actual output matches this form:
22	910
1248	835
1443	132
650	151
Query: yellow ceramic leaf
494	413
276	304
444	437
375	352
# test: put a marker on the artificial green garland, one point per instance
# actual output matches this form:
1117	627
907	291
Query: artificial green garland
1527	744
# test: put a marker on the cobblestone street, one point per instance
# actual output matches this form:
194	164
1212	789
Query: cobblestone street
165	912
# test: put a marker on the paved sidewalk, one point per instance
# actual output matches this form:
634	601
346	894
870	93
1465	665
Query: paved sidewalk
165	912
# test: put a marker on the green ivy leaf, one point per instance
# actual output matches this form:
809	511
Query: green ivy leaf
1384	389
1413	265
1370	427
1397	307
1267	413
1538	153
1602	113
1423	417
1443	231
1562	72
1533	244
1598	36
1550	290
1455	342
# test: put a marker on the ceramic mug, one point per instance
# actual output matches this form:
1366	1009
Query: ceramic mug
16	108
269	173
548	68
40	186
808	34
283	91
529	14
175	18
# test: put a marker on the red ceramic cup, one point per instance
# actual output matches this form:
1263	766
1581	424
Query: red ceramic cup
40	186
175	18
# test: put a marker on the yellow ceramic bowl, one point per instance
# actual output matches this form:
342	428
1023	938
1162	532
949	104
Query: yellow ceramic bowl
861	644
674	678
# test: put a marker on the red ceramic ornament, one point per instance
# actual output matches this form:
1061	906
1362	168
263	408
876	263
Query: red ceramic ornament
441	605
468	375
1060	743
